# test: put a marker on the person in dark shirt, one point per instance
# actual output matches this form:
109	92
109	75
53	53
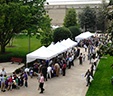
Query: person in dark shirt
44	71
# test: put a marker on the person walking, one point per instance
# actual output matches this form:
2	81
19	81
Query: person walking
44	71
88	77
41	83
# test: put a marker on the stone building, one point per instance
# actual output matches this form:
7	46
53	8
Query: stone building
57	8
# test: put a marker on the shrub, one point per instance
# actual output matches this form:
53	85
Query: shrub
7	56
75	31
61	33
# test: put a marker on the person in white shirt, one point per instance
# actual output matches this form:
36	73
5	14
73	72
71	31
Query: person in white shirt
85	47
49	70
3	72
84	56
2	83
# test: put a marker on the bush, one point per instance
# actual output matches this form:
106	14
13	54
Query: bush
61	33
75	31
7	56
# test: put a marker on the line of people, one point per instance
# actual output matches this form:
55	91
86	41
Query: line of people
12	81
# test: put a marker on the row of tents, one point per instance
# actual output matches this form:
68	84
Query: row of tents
53	50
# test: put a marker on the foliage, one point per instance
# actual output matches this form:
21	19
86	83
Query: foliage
75	31
16	16
111	2
87	19
101	20
19	48
70	18
46	31
61	33
101	85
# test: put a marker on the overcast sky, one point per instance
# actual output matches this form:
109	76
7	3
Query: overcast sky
71	0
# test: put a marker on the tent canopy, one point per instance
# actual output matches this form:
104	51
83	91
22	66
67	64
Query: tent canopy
51	51
41	53
84	35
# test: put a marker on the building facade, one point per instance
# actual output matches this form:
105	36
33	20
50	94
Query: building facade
57	8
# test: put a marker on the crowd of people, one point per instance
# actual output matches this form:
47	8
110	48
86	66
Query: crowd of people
14	81
47	69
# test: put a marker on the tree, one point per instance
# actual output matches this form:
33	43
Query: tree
19	15
107	47
110	2
46	31
75	31
87	19
101	15
61	33
70	18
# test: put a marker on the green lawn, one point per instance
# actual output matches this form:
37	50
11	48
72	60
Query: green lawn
101	85
20	44
20	48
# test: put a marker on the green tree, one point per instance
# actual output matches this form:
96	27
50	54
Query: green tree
61	33
87	19
101	22
70	18
75	31
110	2
19	15
46	31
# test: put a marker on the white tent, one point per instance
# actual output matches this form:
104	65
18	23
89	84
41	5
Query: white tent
52	47
61	47
68	43
71	42
84	35
51	51
41	53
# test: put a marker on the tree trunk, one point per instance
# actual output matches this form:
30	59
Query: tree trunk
2	49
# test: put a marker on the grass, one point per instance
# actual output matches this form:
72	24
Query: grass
101	85
20	44
20	48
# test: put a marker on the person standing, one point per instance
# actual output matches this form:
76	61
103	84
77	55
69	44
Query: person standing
78	52
49	70
25	79
2	83
70	61
3	72
57	69
80	59
41	83
85	47
84	56
64	68
10	82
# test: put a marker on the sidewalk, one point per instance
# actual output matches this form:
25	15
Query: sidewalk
73	84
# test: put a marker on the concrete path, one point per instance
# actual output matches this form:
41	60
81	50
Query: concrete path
73	84
9	67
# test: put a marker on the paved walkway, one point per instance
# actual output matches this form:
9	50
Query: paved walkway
73	84
9	67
